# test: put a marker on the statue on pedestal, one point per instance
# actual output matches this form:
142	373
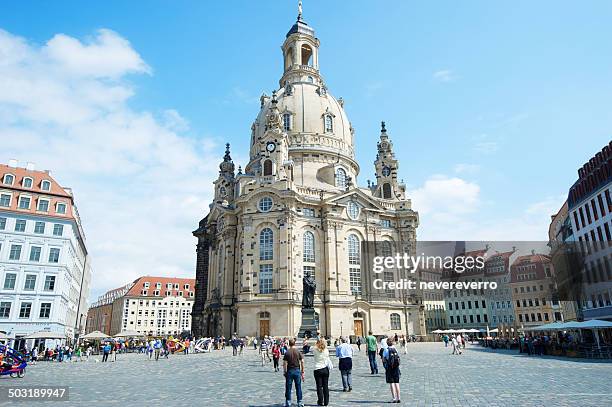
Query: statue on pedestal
309	288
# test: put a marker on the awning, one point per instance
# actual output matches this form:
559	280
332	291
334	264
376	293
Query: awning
46	335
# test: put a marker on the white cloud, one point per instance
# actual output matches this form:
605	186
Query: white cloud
445	75
463	168
485	144
451	208
140	181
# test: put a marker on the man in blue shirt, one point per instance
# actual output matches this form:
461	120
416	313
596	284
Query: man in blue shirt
344	352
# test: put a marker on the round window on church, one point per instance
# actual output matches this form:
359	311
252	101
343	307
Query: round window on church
353	210
265	204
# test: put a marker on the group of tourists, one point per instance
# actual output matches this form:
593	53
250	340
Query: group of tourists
457	341
294	366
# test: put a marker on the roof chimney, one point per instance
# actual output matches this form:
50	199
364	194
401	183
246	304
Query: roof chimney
12	163
30	166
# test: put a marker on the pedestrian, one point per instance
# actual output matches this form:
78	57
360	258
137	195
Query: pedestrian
114	353
34	355
383	346
157	346
255	343
276	353
372	347
293	368
445	339
106	351
322	366
344	352
241	346
456	348
391	361
234	343
359	343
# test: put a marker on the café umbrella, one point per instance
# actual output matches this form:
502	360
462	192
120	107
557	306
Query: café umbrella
95	335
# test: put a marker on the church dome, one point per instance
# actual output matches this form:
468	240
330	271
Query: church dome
312	118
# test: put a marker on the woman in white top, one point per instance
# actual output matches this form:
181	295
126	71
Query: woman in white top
322	364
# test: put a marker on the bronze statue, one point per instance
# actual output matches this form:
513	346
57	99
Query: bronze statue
309	288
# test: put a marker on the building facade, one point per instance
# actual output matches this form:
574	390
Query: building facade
297	209
589	212
45	269
99	315
433	301
534	291
153	306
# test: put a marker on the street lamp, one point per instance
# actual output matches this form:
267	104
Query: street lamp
340	328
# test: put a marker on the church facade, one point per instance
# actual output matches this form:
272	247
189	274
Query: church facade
296	210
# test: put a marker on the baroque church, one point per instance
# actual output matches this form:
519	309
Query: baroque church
296	210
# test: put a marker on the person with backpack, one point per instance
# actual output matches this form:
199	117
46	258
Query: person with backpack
391	361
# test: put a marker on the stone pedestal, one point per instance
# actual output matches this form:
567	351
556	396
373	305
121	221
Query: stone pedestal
310	323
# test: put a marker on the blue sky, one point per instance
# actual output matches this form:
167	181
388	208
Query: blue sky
491	106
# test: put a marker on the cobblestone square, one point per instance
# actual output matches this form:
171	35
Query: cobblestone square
431	376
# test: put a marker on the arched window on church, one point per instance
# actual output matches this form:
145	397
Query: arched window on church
306	55
309	247
289	58
341	178
354	254
266	244
287	121
387	251
396	322
267	168
386	189
328	122
309	254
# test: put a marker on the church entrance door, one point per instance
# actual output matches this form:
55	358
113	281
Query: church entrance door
358	327
264	327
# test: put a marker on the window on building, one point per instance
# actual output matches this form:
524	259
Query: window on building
20	225
267	167
266	244
30	282
58	230
60	208
309	247
354	253
341	180
8	179
9	281
308	212
25	309
287	121
24	202
49	283
386	190
45	310
27	182
452	319
265	278
15	253
353	210
329	123
5	309
54	254
45	185
43	205
385	223
5	200
39	227
396	322
265	204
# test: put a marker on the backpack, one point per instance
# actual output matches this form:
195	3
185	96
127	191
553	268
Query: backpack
393	359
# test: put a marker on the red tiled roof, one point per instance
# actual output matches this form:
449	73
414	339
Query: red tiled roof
138	286
56	193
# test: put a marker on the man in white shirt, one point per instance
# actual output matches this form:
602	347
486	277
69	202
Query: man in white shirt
383	346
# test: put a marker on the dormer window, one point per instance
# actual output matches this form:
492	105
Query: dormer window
287	121
341	178
27	182
328	121
8	179
45	185
60	208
